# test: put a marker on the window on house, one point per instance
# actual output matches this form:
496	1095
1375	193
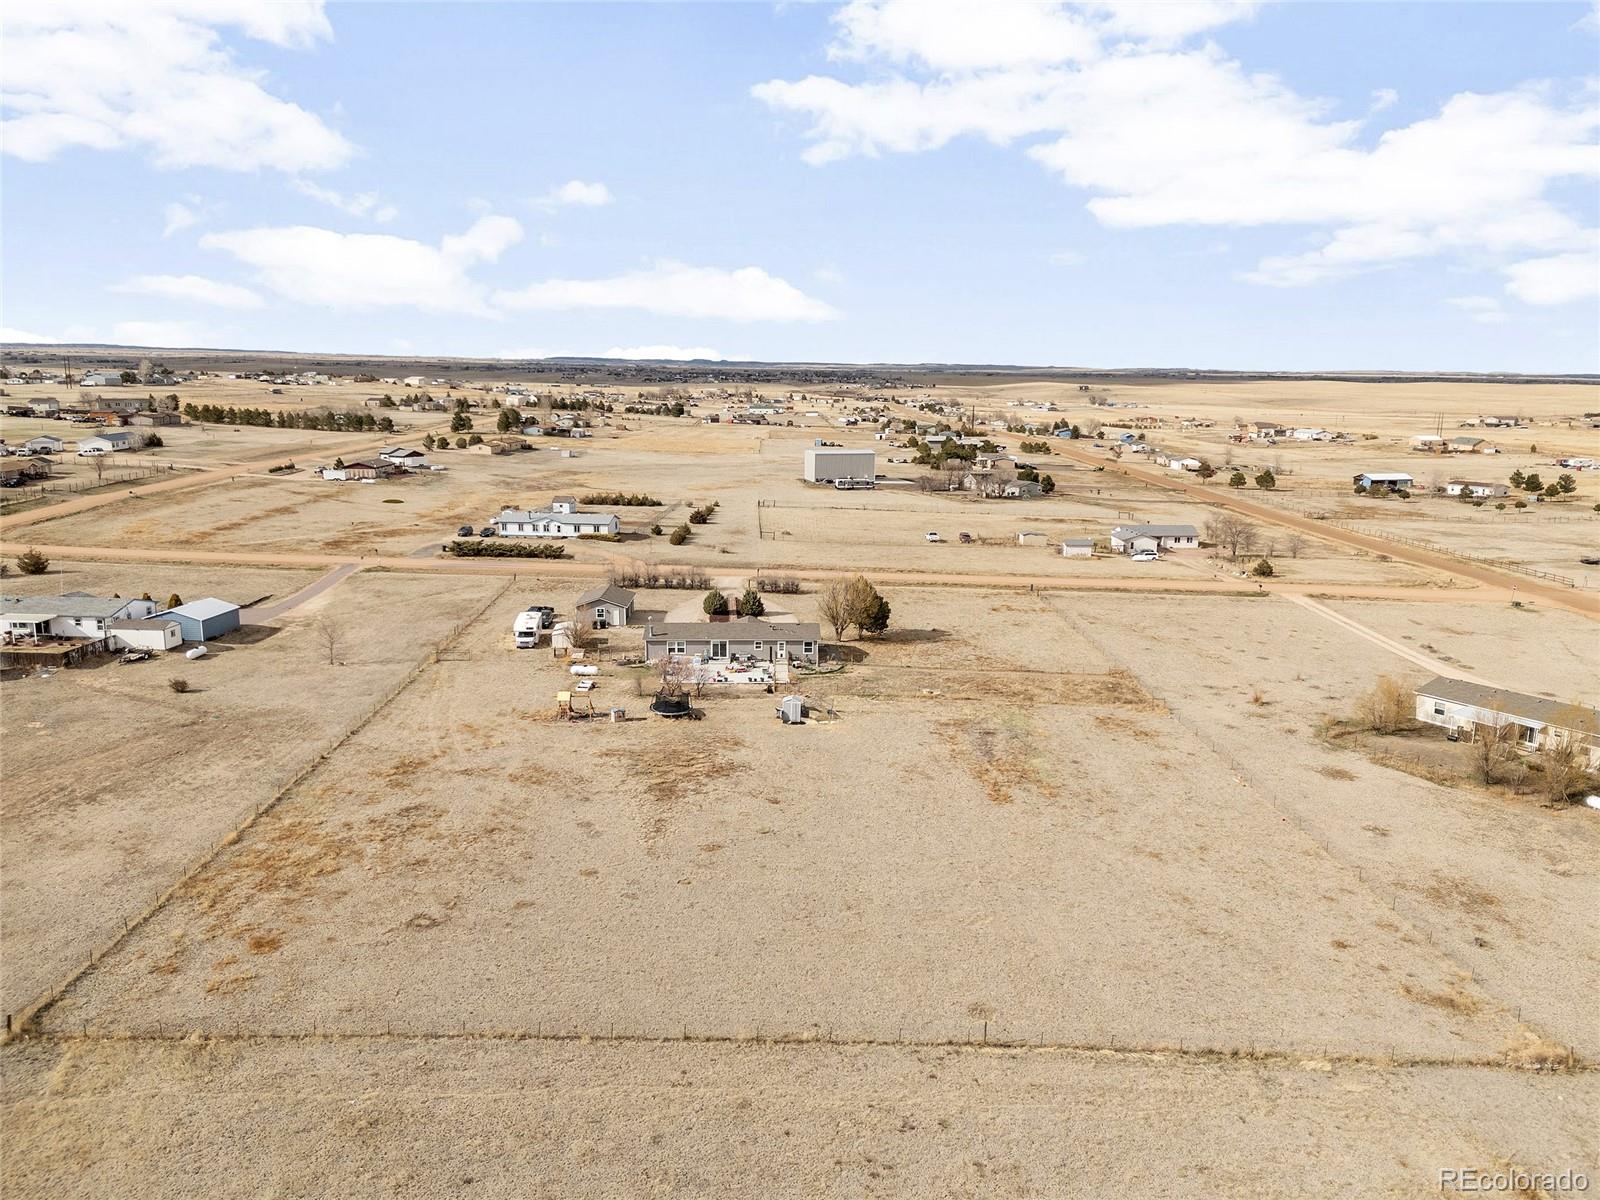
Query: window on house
677	647
1438	708
811	647
1527	735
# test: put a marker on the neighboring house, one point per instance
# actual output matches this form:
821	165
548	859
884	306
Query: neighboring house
44	444
14	474
101	379
1430	442
1541	723
1183	464
1077	547
145	633
745	637
404	456
608	606
106	443
356	470
1478	491
74	615
562	519
1021	489
1469	445
1263	430
1125	539
45	406
150	420
1393	480
202	620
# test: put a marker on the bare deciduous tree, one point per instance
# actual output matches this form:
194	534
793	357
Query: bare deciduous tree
329	637
1493	747
1563	770
1231	533
1387	708
833	606
1294	543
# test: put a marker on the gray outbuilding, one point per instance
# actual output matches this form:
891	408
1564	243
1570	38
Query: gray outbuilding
202	620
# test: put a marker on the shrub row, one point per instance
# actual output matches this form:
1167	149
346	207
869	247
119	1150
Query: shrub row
642	574
622	499
497	549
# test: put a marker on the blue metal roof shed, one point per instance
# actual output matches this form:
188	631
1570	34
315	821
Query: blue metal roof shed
202	620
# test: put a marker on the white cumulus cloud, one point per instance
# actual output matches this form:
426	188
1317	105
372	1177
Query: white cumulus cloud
1115	100
576	192
310	265
195	288
154	76
679	290
361	204
156	333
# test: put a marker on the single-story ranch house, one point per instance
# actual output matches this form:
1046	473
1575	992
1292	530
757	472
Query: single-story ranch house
745	637
561	520
74	615
1541	723
1395	481
1468	487
608	606
1126	539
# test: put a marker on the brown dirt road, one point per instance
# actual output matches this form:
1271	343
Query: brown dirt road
547	568
1527	587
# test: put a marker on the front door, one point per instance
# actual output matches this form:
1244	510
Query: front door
719	650
600	620
781	651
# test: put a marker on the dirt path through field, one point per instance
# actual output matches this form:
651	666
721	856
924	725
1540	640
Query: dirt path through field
1224	497
1437	666
267	612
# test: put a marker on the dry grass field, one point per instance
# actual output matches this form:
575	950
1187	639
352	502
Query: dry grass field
1074	882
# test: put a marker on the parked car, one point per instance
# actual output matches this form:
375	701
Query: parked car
488	531
92	452
465	531
1144	556
966	538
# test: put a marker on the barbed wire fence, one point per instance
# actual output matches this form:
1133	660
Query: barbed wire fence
117	932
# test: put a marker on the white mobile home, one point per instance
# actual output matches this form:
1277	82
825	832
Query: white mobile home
1540	723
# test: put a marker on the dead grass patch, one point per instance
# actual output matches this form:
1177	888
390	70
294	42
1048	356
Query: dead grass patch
1454	998
1336	773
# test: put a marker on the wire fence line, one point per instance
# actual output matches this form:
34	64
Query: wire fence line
118	931
1499	564
969	1035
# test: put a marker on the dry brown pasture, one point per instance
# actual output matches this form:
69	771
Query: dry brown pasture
1211	952
1032	842
113	783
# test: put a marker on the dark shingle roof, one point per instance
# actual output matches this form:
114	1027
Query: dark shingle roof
1580	717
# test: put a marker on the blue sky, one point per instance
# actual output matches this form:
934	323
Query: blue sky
1208	184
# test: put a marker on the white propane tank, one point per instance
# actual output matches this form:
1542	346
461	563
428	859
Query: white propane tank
581	669
195	652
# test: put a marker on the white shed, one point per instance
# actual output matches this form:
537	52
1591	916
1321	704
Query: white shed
147	634
1077	547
